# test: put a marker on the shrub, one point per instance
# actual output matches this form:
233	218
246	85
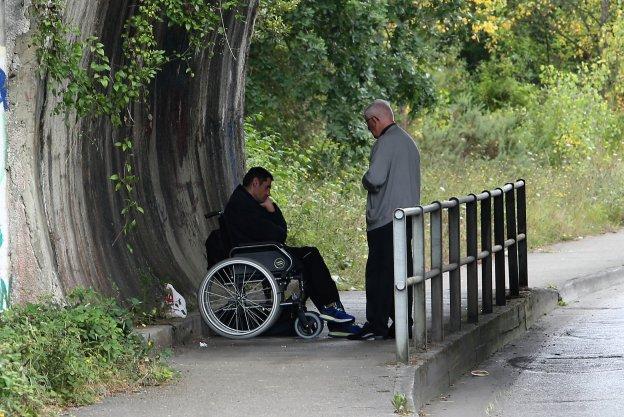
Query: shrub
54	355
465	129
498	88
571	121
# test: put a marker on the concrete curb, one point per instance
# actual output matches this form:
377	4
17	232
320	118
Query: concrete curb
176	332
583	285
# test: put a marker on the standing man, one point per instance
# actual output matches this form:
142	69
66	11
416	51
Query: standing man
392	181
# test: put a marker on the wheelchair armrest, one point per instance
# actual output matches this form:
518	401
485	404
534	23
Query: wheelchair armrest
260	245
272	255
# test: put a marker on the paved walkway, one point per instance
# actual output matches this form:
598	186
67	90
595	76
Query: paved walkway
570	364
323	377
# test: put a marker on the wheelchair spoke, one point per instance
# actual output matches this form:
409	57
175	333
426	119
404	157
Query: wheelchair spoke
229	323
224	287
229	279
255	316
248	279
210	293
246	319
256	303
256	319
224	309
255	291
236	314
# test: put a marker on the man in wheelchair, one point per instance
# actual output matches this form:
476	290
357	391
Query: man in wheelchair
252	217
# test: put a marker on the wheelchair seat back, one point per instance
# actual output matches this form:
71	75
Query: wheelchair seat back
271	255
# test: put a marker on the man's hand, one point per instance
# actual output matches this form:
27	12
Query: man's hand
268	205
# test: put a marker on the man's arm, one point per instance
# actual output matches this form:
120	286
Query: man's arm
269	227
379	168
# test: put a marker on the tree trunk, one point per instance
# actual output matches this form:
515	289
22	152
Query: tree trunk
188	154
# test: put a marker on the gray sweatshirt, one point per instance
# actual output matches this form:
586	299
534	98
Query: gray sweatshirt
393	177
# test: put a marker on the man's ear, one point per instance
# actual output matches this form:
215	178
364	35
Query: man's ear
255	182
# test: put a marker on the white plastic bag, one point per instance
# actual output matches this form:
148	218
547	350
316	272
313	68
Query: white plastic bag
175	304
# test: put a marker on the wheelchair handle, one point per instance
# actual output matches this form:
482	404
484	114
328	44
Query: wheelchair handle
212	214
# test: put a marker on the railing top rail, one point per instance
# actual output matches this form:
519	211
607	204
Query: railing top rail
454	201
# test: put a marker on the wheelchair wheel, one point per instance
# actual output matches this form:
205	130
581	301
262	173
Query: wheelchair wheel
314	326
239	298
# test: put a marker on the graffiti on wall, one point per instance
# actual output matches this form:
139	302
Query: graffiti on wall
5	283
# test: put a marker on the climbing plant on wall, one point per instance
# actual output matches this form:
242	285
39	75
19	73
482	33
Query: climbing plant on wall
81	75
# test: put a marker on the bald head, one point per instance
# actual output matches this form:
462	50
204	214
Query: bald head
380	109
378	115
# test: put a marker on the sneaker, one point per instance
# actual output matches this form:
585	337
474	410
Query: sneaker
336	314
342	329
366	333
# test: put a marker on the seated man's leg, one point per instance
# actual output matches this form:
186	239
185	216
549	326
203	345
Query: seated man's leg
318	283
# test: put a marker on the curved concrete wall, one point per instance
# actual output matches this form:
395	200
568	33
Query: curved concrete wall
64	214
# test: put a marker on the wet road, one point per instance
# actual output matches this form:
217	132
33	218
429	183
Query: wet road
571	363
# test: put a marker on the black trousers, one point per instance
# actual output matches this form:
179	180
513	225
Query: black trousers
318	283
380	277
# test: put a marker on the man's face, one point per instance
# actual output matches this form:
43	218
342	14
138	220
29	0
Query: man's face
373	125
261	190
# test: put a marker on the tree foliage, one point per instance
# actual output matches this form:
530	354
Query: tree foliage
315	64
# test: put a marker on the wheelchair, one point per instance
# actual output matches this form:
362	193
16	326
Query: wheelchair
243	295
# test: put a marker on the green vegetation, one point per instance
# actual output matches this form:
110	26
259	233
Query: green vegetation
399	402
491	91
53	355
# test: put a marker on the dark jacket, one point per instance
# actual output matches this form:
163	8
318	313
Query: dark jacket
248	222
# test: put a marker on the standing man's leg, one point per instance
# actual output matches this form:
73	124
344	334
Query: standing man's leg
379	279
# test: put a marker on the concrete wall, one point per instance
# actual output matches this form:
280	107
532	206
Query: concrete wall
64	214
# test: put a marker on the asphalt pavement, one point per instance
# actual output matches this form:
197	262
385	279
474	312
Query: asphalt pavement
322	377
569	364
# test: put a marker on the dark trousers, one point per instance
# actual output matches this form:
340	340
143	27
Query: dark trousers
318	283
380	277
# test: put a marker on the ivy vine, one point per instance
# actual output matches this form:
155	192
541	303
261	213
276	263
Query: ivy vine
98	89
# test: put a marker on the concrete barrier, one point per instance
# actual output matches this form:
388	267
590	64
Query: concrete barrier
176	332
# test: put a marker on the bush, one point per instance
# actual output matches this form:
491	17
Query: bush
571	121
54	355
498	88
465	129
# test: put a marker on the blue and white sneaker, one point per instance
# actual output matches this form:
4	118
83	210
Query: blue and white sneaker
366	333
342	329
335	313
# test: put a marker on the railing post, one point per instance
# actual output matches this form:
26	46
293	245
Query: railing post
523	275
454	258
420	304
437	321
471	268
512	251
486	246
499	239
400	291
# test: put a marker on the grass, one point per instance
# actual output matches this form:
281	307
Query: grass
399	402
563	203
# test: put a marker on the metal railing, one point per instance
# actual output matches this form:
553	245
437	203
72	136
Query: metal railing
509	230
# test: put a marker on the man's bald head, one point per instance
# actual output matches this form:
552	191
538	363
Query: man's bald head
378	115
380	109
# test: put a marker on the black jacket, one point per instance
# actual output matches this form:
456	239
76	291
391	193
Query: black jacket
248	222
